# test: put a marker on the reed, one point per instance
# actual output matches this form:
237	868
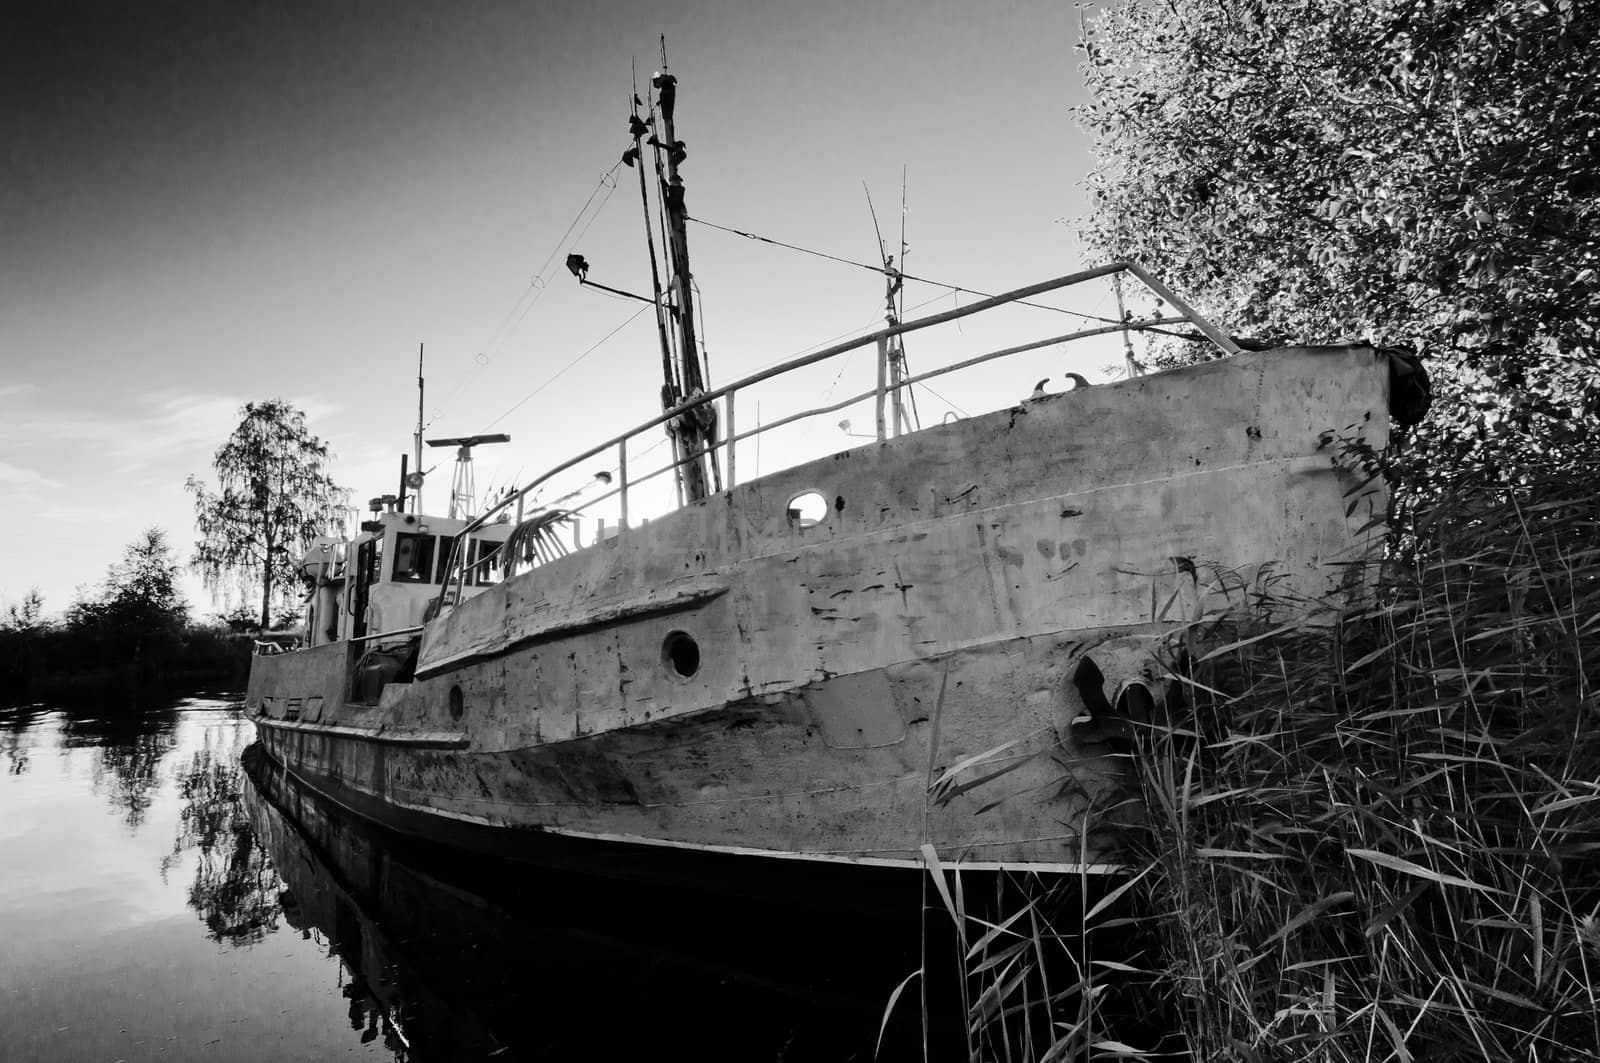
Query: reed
1370	833
1376	836
1034	969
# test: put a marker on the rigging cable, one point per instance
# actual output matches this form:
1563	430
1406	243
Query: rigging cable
907	276
539	284
557	375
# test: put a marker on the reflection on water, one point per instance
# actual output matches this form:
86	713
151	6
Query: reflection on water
13	747
235	888
116	830
158	901
128	754
450	957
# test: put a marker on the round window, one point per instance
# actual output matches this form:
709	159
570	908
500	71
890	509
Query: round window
681	653
807	510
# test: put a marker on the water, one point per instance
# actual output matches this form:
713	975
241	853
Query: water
157	903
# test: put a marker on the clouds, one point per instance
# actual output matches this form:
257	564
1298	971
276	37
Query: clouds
16	475
81	473
127	435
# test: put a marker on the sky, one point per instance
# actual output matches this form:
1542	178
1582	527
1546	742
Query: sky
204	204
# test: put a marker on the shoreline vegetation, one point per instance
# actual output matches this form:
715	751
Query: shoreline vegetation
127	643
53	662
1370	834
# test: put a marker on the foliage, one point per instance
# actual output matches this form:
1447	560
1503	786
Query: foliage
275	496
1380	837
22	627
1410	172
138	615
129	636
26	615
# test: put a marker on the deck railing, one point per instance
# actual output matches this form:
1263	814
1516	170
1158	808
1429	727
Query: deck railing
727	395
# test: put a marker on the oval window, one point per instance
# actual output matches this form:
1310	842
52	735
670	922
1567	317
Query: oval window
807	510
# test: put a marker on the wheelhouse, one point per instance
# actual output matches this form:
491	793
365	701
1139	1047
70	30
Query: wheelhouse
389	577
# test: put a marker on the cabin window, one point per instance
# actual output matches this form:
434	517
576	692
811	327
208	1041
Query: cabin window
482	563
443	575
413	558
483	558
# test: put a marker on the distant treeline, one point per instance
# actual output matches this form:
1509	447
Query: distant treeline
60	662
126	642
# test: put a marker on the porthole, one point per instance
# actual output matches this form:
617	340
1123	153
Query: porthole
807	510
457	703
681	654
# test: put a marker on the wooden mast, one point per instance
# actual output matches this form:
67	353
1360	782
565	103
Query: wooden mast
696	431
670	389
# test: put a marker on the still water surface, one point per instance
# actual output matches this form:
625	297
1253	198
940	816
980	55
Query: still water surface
155	903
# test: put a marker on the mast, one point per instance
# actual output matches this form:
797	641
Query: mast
416	442
893	284
900	308
463	496
669	387
696	432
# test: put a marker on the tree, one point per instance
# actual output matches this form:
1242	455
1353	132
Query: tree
138	616
1418	173
22	627
275	496
26	615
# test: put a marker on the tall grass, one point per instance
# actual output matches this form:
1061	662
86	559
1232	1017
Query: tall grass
1379	838
1370	834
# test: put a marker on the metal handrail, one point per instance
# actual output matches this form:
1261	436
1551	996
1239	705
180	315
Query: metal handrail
880	337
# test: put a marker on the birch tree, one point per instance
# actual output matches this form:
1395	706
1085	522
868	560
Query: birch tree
274	495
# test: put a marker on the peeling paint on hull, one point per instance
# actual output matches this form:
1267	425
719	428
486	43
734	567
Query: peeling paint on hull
896	676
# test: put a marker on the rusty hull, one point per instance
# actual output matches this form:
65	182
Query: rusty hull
900	674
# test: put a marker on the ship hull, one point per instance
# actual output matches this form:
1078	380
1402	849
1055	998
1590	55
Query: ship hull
904	678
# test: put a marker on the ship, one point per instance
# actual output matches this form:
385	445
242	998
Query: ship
925	650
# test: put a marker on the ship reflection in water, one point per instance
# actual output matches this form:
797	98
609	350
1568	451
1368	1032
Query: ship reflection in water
451	957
